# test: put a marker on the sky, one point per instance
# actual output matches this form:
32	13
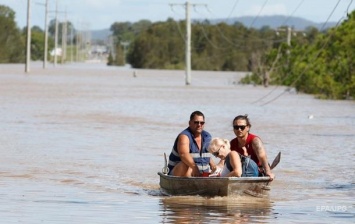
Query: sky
101	14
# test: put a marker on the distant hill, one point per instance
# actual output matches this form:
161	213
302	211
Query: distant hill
271	21
100	34
275	22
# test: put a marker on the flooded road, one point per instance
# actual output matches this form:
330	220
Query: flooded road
84	143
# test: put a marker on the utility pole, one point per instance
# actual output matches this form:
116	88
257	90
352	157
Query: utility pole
188	42
64	39
77	42
28	49
125	45
45	52
289	32
87	42
188	45
71	43
56	34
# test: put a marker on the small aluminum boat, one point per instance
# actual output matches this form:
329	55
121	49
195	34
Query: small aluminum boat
214	186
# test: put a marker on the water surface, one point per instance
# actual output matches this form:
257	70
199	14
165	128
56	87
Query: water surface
84	143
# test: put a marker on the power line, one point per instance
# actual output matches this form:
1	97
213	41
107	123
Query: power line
28	48
187	42
178	26
313	59
210	41
304	55
239	45
45	53
233	8
256	17
293	12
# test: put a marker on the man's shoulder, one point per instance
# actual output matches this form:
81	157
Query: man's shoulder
233	141
251	135
185	131
206	134
233	154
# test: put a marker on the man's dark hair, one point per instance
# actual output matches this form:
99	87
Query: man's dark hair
196	113
242	117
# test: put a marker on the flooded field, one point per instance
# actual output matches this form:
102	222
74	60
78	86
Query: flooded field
83	143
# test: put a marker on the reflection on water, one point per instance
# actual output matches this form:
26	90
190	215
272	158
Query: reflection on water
242	209
87	142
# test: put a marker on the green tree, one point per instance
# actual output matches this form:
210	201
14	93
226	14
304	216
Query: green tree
69	26
330	66
12	46
160	46
320	63
37	44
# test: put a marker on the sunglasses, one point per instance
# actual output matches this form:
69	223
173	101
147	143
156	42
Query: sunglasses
199	122
241	127
216	154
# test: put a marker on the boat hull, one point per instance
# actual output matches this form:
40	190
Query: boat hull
214	186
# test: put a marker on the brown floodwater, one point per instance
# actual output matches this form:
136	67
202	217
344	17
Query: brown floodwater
82	143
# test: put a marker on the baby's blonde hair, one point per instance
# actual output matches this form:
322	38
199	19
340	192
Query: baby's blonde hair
216	143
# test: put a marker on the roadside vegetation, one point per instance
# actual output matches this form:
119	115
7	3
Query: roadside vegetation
311	61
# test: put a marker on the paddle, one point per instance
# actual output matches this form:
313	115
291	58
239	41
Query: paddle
165	169
276	161
266	187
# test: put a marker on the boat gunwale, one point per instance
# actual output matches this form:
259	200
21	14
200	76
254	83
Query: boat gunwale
229	179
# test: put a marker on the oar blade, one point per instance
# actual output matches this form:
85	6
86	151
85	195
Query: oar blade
165	170
276	161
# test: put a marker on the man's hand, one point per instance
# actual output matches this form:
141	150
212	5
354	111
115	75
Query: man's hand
271	175
195	171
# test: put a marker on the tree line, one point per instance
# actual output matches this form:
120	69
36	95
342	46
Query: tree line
13	39
311	61
324	67
12	42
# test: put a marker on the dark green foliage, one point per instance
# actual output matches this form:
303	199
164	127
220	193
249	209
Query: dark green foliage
124	34
37	45
37	42
110	59
323	64
13	41
213	47
70	30
12	45
120	57
160	46
314	62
